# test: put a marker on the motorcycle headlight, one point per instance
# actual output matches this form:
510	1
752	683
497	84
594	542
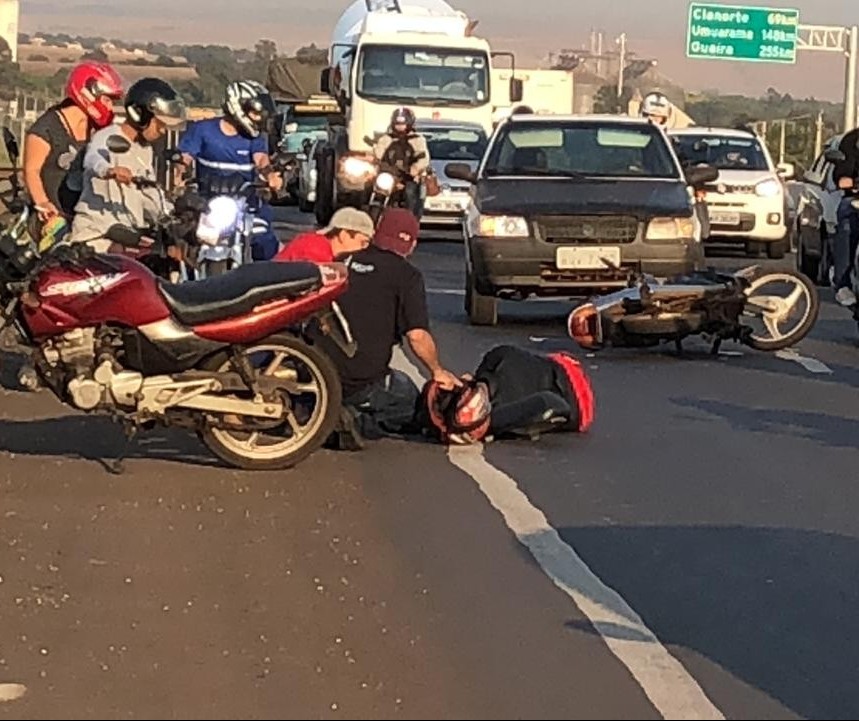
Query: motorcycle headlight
768	188
502	226
670	229
222	213
385	183
356	168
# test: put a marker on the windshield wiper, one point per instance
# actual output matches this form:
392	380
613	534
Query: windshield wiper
538	172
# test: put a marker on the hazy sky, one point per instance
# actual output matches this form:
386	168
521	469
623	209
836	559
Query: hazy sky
654	27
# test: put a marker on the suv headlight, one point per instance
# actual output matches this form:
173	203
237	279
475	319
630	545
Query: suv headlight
768	188
502	226
670	229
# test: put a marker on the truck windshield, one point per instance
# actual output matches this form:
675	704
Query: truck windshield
430	76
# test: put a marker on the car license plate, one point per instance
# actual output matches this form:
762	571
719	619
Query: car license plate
721	217
590	258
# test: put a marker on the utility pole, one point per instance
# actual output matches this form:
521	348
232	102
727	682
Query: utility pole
622	42
599	53
782	141
818	136
850	83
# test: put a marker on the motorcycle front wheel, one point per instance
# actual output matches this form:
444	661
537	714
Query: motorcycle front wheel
309	388
212	268
783	315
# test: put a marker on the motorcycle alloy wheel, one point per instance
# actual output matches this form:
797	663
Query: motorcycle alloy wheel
305	373
800	306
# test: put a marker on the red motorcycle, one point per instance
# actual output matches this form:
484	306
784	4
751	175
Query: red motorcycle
231	357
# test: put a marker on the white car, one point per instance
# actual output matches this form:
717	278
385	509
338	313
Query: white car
748	203
817	199
450	141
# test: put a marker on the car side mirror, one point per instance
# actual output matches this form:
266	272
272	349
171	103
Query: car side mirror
834	156
460	171
786	170
700	175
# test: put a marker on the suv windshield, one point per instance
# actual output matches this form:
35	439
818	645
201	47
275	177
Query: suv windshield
722	152
453	143
576	149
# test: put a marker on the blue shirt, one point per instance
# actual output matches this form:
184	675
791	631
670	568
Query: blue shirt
218	154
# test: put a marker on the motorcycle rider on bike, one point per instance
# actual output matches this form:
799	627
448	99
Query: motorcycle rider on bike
845	175
399	149
235	147
110	195
56	142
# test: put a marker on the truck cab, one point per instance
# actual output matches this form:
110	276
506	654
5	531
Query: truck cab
388	54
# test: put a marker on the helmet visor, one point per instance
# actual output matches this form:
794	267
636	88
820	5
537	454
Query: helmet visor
170	112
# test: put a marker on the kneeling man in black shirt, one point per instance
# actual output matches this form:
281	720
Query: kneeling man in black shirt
384	304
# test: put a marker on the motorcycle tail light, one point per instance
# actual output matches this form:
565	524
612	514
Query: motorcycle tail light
584	327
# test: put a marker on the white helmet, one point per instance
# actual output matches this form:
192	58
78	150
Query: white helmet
656	105
250	105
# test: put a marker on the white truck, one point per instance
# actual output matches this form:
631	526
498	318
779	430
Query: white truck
546	92
390	53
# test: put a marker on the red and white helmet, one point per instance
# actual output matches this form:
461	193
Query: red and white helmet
93	87
460	416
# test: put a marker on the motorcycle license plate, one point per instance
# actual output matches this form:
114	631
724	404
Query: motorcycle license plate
590	258
721	217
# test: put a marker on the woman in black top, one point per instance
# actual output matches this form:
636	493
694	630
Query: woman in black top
54	143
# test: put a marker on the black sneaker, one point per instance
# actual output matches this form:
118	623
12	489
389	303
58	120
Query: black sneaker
348	434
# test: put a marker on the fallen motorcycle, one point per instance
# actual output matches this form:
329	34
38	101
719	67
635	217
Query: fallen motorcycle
720	306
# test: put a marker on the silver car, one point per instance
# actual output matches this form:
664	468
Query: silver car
450	141
817	199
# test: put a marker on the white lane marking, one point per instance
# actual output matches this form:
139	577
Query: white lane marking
11	691
812	365
668	685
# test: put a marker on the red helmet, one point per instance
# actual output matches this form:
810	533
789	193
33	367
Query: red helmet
460	416
88	85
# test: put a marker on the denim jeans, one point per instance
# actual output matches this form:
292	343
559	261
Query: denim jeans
844	242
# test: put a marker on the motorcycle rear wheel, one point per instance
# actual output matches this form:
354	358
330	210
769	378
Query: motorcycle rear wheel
305	371
780	307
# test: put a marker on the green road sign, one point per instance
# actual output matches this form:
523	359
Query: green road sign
732	32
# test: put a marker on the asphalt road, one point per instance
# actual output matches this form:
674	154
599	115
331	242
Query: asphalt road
696	556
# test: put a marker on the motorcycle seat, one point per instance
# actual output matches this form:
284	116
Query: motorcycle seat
239	291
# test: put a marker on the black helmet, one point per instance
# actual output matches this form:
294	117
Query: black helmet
403	115
152	97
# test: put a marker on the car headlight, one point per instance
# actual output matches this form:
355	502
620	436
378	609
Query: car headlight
768	188
502	226
385	183
670	229
356	168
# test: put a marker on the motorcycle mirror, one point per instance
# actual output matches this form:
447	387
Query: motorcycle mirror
11	143
123	235
834	155
171	155
118	144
